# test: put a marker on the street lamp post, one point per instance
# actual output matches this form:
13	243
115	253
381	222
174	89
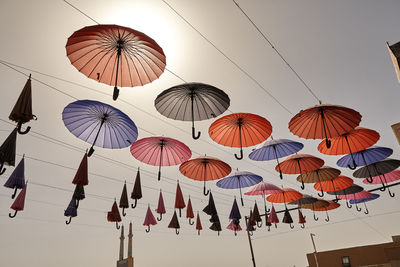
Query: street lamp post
315	249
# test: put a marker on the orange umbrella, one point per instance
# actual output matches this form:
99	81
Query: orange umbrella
240	130
204	169
299	164
324	121
339	183
332	205
287	195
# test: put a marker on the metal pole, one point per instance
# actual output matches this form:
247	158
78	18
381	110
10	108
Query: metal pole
251	246
315	249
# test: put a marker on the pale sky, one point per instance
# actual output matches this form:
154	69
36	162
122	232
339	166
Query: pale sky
339	49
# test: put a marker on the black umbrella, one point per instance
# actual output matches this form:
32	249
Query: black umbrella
192	102
79	194
123	201
210	209
137	190
7	151
256	215
306	200
347	191
174	223
287	218
71	210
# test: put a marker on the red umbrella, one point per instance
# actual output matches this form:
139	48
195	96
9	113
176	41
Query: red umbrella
115	55
324	121
198	224
204	169
234	227
113	215
240	130
19	202
149	219
179	201
287	195
161	207
273	218
332	205
160	151
81	176
299	164
302	219
339	183
189	211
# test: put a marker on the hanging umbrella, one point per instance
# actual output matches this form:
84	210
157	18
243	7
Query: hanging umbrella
302	219
335	184
189	211
275	149
192	102
273	218
174	223
364	200
358	195
354	141
287	218
324	173
79	194
7	151
204	169
210	209
324	121
161	207
179	201
320	203
99	124
71	210
331	206
149	219
353	189
115	55
22	111
256	215
160	151
198	224
305	201
216	224
239	180
250	224
137	190
376	169
234	227
384	179
287	195
299	164
19	202
113	215
240	130
17	178
234	215
81	176
365	157
123	201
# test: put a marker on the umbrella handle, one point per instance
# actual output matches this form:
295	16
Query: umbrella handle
302	226
190	221
358	208
291	226
218	233
14	194
176	231
241	155
390	193
315	217
328	143
159	218
20	130
269	228
134	205
352	167
13	215
259	224
195	137
321	194
370	180
123	212
206	192
348	205
159	175
68	221
327	217
117	226
148	229
366	209
302	184
276	226
241	200
91	150
2	169
115	93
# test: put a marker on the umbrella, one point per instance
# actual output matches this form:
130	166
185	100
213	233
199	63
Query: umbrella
192	102
358	195
137	189
287	195
174	223
354	141
161	207
263	188
320	203
273	218
239	180
160	151
205	168
79	194
17	178
353	189
22	110
240	130
99	124
335	184
377	169
179	201
305	201
149	219
189	211
123	201
113	215
384	179
324	173
256	215
198	224
7	151
324	121
216	224
71	210
275	149
250	224
287	218
115	55
210	209
331	206
299	164
363	200
302	219
234	215
81	176
19	202
234	227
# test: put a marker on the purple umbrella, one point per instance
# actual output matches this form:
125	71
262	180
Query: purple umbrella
99	124
17	178
239	180
363	200
365	157
71	210
235	215
275	149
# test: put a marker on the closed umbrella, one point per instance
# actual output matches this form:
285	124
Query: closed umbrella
17	178
160	207
256	215
198	224
240	130
234	215
302	219
174	223
149	219
273	218
179	201
123	201
324	173
71	210
81	176
137	189
79	194
287	218
189	212
216	224
234	227
113	215
7	151
19	202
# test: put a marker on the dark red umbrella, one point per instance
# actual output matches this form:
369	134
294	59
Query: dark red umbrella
113	215
198	224
137	190
273	218
149	219
189	212
179	201
81	176
302	219
161	207
7	151
19	202
123	201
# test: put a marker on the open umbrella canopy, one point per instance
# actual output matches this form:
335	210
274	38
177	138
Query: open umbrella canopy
347	191
240	130
263	188
7	151
319	204
306	199
160	151
384	179
192	102
22	110
287	195
137	189
365	157
325	173
335	184
363	200
378	168
99	124
324	121
359	195
179	201
204	168
17	178
331	206
115	55
81	176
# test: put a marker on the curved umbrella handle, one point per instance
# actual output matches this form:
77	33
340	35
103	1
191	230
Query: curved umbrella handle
2	169
123	212
195	137
115	93
348	205
190	221
206	192
358	208
159	218
134	205
117	226
13	215
383	189
366	210
291	226
176	231
315	217
19	126
68	221
302	185
241	154
259	224
327	217
321	194
370	180
390	193
14	194
91	151
352	167
328	143
302	226
148	229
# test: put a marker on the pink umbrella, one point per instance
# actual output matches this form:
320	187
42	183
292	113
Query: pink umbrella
384	179
360	195
273	218
160	151
149	219
19	202
189	212
161	207
179	201
234	227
